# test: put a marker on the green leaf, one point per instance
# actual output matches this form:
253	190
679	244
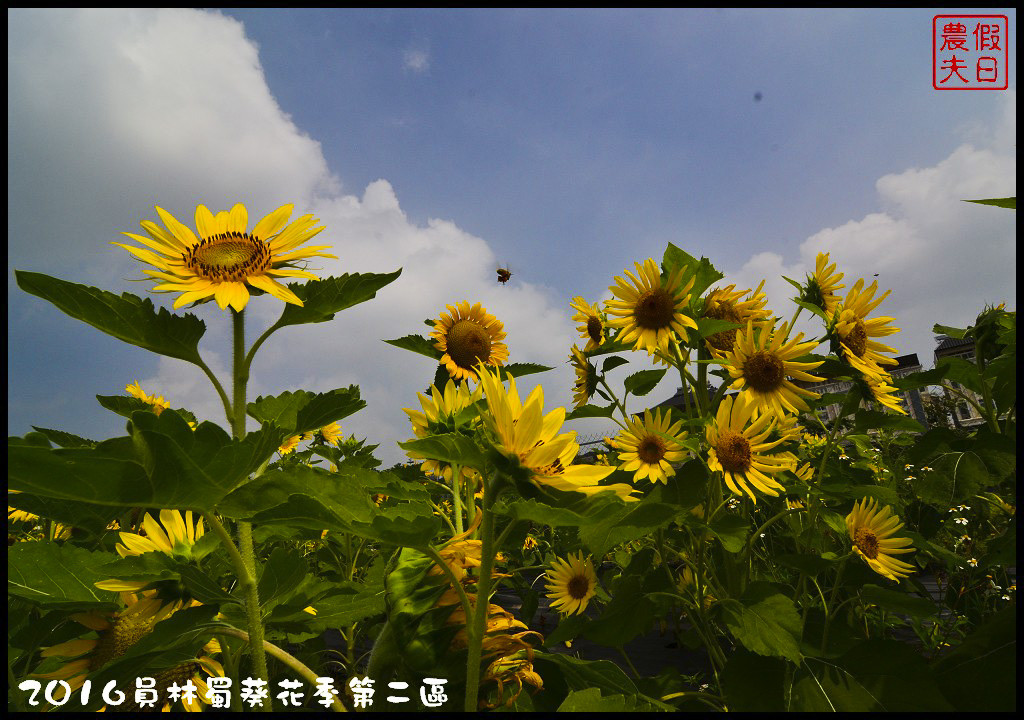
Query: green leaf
204	588
900	602
631	611
323	298
920	379
591	700
808	564
641	383
633	520
63	439
92	518
613	362
587	411
417	344
521	369
980	674
732	531
873	419
1009	203
753	683
707	327
961	371
57	576
955	333
345	603
765	621
569	673
593	510
820	686
128	317
283	571
704	273
448	448
123	405
409	525
302	411
163	464
895	676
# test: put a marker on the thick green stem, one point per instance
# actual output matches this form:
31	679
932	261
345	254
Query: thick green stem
457	498
483	595
254	617
288	659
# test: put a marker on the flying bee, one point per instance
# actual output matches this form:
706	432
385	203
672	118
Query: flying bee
504	274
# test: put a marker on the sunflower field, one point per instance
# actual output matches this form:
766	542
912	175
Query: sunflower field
741	550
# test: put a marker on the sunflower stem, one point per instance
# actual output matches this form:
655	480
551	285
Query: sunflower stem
792	322
288	659
457	499
228	411
483	596
830	614
254	617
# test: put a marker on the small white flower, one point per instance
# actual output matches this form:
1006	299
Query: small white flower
907	467
1006	597
960	520
973	562
926	469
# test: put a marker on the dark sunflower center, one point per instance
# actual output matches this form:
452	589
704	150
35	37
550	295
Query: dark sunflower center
578	587
857	340
651	450
733	452
726	339
594	328
867	542
172	676
764	371
228	256
116	641
655	309
468	343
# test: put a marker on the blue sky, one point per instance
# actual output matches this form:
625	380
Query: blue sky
565	144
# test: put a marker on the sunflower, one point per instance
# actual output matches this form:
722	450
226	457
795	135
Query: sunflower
738	446
226	259
822	285
293	442
331	434
174	535
871	529
856	331
883	392
586	377
115	634
650	445
16	515
761	361
158	403
650	309
444	412
467	336
523	433
725	304
592	328
571	583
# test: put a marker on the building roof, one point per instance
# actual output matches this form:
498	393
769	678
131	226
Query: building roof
947	343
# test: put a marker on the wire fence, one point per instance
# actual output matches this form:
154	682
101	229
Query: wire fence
595	438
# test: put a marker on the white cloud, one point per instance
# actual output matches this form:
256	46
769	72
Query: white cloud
171	107
418	61
942	258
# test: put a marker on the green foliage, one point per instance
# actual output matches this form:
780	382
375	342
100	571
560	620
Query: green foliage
126	317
